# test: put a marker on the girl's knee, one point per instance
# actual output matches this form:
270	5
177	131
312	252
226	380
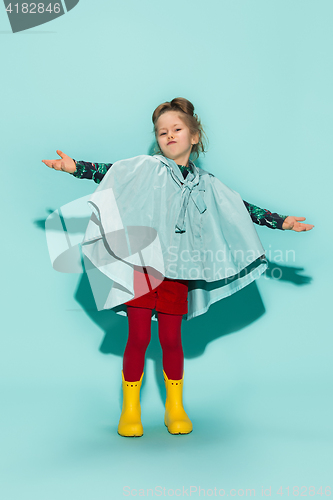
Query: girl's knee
141	341
170	340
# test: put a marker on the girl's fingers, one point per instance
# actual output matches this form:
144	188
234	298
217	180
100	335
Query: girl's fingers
48	163
303	227
51	163
60	153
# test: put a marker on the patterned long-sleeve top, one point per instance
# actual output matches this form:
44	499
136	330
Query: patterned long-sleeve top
260	216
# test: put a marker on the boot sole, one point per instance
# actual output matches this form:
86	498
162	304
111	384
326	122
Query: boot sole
177	433
130	436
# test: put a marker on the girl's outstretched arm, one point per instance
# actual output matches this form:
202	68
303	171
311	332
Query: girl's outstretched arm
80	169
264	217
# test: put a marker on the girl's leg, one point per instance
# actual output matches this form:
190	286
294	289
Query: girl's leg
139	324
169	331
139	333
175	417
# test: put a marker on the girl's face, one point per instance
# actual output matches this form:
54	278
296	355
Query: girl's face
174	137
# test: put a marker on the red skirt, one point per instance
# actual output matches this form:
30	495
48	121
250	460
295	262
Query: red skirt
170	296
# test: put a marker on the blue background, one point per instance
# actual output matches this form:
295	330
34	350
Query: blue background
258	368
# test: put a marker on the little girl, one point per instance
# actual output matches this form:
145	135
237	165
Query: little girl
187	214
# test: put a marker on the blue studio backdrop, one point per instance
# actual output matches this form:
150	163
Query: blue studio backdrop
258	371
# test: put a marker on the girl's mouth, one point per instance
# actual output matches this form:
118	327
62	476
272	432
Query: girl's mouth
171	142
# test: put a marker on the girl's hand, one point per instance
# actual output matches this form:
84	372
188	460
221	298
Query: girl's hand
66	164
291	222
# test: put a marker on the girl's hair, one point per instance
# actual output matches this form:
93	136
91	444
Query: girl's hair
186	113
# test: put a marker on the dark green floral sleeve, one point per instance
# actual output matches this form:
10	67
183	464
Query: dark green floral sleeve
94	171
260	216
264	217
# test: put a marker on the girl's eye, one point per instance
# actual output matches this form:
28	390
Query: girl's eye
163	133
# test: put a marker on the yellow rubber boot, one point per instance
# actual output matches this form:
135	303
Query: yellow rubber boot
130	419
175	417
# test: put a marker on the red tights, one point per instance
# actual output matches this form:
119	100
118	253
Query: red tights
139	334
